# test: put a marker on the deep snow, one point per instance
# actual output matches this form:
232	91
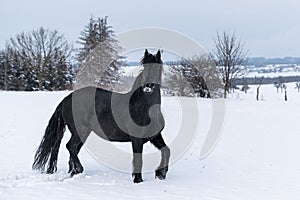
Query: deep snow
257	157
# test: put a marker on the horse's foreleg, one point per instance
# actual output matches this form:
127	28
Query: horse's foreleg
162	169
137	148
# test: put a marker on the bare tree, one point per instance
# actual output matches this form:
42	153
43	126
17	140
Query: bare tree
197	75
282	82
176	80
39	50
245	87
206	67
284	86
229	56
258	82
298	86
279	84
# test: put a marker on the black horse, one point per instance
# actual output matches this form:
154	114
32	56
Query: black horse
132	117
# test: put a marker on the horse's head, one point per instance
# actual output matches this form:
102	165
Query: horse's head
151	76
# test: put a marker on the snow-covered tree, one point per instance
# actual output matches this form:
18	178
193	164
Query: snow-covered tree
209	84
194	76
64	73
3	71
98	57
12	71
33	59
176	81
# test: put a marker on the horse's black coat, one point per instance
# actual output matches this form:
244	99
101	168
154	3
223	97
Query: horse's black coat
113	117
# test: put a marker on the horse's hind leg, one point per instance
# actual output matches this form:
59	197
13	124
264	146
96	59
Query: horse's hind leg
162	169
74	145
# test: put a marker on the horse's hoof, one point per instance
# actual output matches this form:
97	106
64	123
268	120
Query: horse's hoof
76	171
137	178
160	176
73	173
161	173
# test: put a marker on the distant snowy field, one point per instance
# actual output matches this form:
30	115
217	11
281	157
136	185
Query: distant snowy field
257	157
273	71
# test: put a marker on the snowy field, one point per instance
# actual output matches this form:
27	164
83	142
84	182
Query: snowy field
257	157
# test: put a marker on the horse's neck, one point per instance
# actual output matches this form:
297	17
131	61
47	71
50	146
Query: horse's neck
137	82
158	93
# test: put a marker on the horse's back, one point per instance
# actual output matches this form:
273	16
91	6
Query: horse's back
90	108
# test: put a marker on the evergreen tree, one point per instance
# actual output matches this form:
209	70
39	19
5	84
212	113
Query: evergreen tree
64	73
88	40
16	77
98	56
12	71
3	70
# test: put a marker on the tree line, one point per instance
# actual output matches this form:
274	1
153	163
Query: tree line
267	80
43	59
37	60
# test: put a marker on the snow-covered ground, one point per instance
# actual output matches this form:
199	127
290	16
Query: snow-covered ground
257	157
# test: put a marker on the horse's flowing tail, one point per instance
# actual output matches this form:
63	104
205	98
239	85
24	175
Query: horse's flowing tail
49	146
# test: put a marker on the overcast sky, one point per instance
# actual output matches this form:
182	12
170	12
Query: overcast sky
270	28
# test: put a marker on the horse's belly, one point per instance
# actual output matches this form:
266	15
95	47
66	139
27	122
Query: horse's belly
113	135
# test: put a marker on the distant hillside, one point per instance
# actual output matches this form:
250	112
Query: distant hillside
262	61
257	61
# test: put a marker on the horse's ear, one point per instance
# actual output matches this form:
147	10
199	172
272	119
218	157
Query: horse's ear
146	53
158	55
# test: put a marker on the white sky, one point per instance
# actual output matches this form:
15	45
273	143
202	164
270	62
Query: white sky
269	28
